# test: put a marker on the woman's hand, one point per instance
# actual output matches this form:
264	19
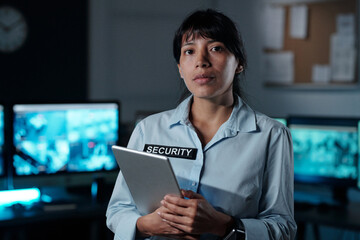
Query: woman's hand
153	225
194	215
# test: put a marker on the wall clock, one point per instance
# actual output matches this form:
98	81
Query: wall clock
13	29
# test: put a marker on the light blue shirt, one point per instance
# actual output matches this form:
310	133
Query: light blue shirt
245	171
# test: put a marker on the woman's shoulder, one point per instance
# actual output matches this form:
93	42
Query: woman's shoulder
265	122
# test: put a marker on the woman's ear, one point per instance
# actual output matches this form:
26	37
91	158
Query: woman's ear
181	74
239	69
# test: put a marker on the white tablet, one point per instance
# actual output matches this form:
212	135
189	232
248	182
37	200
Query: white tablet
149	177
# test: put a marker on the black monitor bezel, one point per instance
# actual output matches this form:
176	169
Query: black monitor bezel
64	173
325	121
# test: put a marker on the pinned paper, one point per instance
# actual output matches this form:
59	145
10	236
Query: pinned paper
345	24
342	57
274	27
320	73
299	21
278	67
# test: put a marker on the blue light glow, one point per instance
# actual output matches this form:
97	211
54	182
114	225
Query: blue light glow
22	196
359	156
1	140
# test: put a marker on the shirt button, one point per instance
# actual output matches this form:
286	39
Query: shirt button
193	183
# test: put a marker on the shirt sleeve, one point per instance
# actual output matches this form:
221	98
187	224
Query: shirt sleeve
121	214
276	207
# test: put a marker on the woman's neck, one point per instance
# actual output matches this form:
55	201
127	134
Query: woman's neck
211	110
208	115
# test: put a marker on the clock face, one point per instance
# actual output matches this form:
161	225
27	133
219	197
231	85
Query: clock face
13	29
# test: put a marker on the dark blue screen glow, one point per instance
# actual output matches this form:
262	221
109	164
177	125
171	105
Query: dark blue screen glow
326	151
358	180
1	140
53	138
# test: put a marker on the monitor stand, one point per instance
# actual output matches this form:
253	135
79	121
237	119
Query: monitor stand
97	189
320	195
339	195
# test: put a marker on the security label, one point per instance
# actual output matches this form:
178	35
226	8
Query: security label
171	151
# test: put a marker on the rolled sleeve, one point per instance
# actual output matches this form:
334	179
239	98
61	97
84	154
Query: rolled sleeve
255	229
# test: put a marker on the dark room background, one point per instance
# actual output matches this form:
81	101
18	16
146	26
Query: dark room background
51	65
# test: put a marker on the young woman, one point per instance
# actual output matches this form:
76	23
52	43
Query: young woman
240	174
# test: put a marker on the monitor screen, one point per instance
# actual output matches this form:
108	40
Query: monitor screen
325	150
2	141
64	138
358	183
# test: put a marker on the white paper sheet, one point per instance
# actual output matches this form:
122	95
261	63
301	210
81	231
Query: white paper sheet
278	67
299	21
342	57
320	73
274	27
345	24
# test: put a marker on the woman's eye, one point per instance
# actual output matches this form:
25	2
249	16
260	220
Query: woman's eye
188	52
216	49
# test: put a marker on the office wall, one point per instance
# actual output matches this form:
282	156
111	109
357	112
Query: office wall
131	52
131	59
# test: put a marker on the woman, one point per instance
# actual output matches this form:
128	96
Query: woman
242	173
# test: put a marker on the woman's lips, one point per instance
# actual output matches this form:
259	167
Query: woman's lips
203	79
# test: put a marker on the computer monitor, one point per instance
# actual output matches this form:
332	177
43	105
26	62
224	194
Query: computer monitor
358	180
64	138
326	151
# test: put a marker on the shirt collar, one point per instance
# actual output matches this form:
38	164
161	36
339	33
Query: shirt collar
181	113
242	118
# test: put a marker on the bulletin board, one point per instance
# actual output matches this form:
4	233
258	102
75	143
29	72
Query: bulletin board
315	49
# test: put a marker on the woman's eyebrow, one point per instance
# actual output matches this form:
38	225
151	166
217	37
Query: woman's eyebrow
188	43
214	41
192	42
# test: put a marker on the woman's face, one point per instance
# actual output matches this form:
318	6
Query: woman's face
207	67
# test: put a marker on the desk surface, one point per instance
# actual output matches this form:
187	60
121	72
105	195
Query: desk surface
347	217
10	217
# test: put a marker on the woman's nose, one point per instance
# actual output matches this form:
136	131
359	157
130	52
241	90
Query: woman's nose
202	60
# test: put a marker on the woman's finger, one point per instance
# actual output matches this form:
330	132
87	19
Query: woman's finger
191	195
171	218
188	228
181	202
174	208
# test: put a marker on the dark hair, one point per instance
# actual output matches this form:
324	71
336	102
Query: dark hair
215	25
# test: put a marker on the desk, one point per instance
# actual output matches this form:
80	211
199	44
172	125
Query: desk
86	221
347	217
